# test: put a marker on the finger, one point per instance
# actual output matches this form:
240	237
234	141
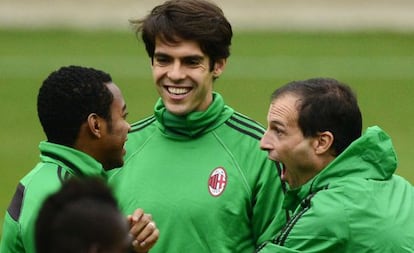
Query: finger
137	215
139	225
146	232
147	238
130	221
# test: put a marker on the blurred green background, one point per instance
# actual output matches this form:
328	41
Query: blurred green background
378	65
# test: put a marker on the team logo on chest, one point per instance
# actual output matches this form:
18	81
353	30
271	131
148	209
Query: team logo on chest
217	181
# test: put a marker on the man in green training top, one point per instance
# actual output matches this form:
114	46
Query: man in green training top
344	195
196	165
82	113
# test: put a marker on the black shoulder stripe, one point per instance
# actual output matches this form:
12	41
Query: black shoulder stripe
143	121
255	127
62	175
15	206
59	174
142	124
257	137
246	118
66	176
68	163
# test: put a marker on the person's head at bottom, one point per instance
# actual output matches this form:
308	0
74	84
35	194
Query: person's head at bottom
82	217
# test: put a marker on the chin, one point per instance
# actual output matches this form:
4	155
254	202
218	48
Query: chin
120	164
114	165
177	109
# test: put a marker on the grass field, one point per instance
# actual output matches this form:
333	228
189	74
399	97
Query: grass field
378	65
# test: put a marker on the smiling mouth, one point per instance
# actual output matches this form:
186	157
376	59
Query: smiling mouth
178	90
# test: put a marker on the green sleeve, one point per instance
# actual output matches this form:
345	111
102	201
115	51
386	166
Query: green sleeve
268	216
273	248
321	227
11	240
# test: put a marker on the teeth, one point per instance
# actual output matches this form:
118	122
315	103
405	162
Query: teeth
178	91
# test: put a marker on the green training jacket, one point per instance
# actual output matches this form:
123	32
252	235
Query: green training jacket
57	164
203	178
356	204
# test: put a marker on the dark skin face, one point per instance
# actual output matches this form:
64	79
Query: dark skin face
105	140
115	136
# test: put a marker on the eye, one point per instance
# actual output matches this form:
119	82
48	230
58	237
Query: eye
162	60
278	131
192	61
125	115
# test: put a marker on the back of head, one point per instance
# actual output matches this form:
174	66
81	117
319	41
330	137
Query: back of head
197	20
67	97
325	104
82	215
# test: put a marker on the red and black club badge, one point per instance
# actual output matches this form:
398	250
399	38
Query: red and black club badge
217	181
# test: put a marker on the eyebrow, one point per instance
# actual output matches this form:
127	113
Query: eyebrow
161	54
277	123
194	56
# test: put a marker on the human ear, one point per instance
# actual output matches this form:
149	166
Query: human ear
94	124
219	66
323	142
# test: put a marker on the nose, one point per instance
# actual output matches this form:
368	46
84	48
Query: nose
265	144
175	72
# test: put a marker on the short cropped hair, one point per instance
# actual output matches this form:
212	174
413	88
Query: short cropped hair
66	98
326	104
196	20
81	215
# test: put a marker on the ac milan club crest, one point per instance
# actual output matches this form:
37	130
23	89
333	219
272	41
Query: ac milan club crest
217	181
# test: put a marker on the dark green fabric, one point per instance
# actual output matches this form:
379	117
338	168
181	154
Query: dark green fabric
57	163
355	204
193	124
169	170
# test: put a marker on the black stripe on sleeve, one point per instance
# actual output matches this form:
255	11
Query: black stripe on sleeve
246	118
140	125
59	174
76	170
15	207
62	174
258	129
257	137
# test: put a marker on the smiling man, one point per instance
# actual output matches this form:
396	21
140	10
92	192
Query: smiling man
344	196
195	165
83	114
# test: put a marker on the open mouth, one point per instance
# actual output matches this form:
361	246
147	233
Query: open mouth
283	173
178	90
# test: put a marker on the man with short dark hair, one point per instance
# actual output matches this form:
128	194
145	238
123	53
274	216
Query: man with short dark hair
83	115
195	165
344	196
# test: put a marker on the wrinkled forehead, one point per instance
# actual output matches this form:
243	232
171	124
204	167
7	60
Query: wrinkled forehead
284	108
286	100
